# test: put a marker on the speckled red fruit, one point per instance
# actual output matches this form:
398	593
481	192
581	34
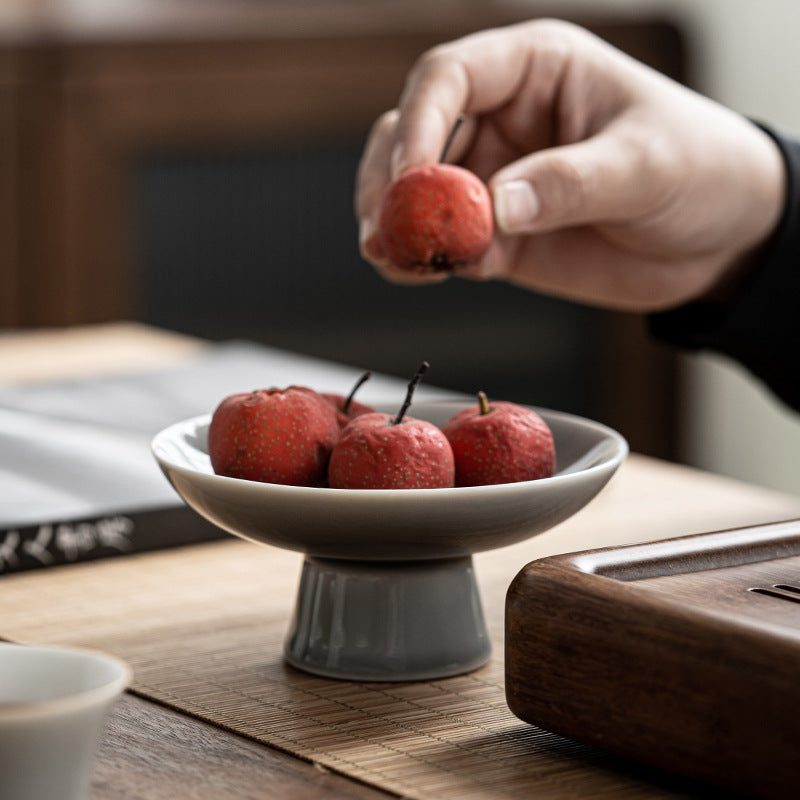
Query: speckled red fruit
374	453
355	409
436	218
274	436
509	443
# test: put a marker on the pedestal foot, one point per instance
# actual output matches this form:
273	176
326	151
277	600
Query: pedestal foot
388	621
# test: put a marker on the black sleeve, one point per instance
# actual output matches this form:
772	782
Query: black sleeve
760	327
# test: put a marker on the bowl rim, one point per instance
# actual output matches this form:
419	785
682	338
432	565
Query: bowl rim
611	459
74	700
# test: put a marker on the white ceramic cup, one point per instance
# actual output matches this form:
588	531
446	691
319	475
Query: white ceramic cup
54	702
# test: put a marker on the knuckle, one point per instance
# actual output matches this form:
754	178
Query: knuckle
568	187
385	123
434	60
441	65
657	164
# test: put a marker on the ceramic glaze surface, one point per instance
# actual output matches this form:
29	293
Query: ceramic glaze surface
53	707
388	621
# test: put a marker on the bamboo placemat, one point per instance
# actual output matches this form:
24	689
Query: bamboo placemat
203	628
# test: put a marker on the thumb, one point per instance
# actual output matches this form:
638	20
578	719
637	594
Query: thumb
602	179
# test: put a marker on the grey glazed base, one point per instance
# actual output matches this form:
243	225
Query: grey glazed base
387	621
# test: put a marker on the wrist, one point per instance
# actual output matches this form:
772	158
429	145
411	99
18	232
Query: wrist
758	324
767	208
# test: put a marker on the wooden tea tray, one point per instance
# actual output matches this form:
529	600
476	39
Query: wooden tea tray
684	653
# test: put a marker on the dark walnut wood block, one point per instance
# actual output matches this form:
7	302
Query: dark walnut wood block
684	654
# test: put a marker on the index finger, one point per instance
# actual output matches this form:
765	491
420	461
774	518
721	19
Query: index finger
473	75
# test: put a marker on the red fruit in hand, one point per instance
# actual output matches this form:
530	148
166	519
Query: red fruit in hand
499	442
273	436
346	407
382	451
436	218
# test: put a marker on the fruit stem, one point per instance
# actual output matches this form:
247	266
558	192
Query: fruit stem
410	393
362	380
456	126
484	403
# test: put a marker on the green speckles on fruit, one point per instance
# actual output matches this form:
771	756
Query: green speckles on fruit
436	218
510	444
373	453
274	436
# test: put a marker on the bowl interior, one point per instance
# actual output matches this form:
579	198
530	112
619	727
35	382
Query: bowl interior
37	679
395	524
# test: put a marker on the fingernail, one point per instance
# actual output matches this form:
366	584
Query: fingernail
397	162
369	240
515	206
365	230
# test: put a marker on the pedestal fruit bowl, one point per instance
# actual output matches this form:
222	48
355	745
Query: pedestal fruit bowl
387	589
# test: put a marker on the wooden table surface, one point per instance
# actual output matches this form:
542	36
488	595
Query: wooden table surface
153	752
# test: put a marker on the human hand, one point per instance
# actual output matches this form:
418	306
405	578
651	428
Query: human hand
612	185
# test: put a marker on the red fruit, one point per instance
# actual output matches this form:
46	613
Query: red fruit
436	218
382	451
346	407
499	442
377	453
345	413
273	436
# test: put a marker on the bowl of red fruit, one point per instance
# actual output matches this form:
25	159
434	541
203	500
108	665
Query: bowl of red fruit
388	506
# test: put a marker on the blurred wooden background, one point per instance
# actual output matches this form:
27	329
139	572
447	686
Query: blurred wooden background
98	99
